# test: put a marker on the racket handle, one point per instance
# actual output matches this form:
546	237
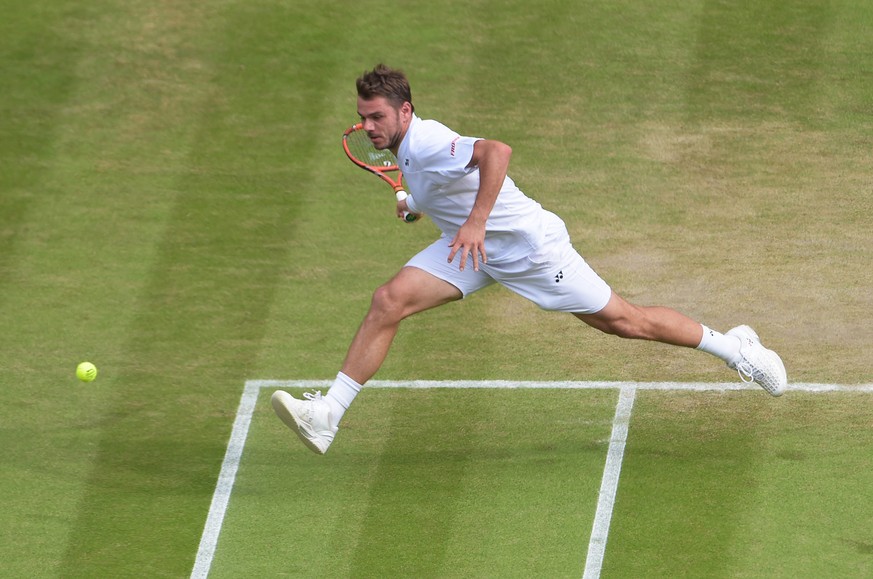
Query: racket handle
407	216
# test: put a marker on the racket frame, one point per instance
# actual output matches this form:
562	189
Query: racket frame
382	171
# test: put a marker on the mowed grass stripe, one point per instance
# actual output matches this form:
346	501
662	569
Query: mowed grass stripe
142	81
38	76
37	79
221	258
79	251
210	284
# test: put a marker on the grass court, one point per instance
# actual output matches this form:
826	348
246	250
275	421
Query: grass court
175	207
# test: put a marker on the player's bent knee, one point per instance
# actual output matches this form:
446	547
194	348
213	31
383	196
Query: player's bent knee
383	299
389	302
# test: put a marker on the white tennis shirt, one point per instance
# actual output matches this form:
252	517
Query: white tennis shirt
433	159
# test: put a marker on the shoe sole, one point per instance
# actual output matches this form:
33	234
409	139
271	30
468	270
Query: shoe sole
283	410
781	389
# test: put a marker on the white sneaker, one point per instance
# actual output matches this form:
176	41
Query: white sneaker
757	363
309	418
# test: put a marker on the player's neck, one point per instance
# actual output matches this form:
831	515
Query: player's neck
394	147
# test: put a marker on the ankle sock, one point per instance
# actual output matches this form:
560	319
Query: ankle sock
720	345
340	396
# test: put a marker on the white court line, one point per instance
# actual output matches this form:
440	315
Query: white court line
609	484
226	478
502	384
235	446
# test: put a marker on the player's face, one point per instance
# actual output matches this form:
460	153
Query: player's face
385	124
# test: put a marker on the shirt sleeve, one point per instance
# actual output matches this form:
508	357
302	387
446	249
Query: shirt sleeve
447	156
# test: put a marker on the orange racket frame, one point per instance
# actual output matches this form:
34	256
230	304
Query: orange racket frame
356	144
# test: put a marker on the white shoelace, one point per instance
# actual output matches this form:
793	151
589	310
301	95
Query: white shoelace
745	370
313	395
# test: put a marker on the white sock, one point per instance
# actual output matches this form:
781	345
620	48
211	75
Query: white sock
340	396
725	347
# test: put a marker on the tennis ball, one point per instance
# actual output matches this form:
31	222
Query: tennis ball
86	372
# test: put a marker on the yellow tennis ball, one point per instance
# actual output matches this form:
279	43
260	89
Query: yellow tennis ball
86	372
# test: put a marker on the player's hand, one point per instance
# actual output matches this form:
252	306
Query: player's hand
469	241
403	210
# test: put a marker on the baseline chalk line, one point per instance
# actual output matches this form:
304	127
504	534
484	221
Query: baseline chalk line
594	385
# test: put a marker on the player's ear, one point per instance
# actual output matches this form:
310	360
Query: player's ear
406	110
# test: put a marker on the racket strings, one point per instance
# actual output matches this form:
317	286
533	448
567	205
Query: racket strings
363	150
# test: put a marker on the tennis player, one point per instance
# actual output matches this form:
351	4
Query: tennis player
491	233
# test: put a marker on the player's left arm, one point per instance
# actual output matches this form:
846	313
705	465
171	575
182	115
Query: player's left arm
492	159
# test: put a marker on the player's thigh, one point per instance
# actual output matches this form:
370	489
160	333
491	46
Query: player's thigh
414	290
434	260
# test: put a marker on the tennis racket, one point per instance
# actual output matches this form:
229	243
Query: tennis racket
383	164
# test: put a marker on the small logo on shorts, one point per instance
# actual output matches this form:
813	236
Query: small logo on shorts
559	276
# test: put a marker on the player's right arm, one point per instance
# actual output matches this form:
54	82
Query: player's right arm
403	208
492	160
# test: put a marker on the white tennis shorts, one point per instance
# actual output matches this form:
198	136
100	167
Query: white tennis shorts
555	277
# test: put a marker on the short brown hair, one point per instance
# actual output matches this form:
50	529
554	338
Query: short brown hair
385	82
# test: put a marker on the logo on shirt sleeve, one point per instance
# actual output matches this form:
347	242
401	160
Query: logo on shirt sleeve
454	141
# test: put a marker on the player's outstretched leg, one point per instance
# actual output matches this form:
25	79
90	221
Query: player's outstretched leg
740	347
309	418
757	363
